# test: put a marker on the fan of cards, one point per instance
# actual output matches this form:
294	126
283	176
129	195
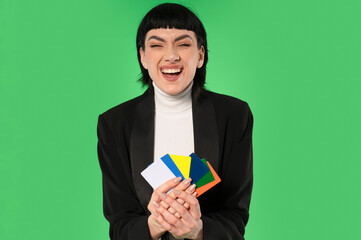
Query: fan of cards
172	166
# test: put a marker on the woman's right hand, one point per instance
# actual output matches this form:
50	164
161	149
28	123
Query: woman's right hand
156	229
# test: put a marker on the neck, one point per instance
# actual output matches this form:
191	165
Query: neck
173	103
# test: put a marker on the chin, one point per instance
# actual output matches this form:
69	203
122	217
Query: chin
172	90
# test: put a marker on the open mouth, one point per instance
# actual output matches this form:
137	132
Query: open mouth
171	74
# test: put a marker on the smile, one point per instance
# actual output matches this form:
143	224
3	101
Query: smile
171	70
171	73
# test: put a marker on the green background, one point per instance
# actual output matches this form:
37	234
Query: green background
297	63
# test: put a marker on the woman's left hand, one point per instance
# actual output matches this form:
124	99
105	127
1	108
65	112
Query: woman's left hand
189	225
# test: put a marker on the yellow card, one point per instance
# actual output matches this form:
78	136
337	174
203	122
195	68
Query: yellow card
183	163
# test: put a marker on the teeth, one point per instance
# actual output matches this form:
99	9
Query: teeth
171	70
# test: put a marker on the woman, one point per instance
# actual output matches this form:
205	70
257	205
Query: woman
175	115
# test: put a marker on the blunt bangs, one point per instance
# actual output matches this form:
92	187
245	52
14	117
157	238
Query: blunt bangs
172	15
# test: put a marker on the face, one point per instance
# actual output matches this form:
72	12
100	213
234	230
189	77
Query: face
171	57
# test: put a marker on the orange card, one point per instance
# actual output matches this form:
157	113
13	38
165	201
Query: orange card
208	186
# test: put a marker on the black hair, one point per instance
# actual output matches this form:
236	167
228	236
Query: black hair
172	15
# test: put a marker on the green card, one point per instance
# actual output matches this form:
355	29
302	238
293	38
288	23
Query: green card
207	178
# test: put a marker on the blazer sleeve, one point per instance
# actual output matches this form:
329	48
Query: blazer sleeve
231	217
122	209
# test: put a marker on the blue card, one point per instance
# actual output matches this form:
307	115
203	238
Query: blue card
171	165
198	169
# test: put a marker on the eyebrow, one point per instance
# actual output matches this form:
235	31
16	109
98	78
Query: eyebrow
177	39
156	38
183	37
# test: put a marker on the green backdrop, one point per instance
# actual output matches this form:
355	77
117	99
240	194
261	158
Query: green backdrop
297	63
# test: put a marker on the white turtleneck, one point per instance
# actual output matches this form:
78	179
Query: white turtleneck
173	123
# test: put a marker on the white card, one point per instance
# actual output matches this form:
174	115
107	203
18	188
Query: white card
157	173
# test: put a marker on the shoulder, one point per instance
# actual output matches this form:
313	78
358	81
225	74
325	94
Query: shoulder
122	109
122	114
234	116
228	105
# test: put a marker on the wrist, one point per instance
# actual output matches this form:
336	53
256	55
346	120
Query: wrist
199	235
154	231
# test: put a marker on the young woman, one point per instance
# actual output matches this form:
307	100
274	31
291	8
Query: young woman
175	115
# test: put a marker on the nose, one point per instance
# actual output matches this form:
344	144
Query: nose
171	55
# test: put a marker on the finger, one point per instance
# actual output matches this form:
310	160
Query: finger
181	187
186	205
170	209
165	187
191	189
174	212
194	208
184	185
164	204
168	185
181	201
170	218
178	207
160	219
181	226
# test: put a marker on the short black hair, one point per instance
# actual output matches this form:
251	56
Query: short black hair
172	15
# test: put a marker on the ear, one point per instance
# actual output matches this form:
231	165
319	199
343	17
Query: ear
201	57
142	58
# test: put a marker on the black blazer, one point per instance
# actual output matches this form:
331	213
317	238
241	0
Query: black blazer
222	134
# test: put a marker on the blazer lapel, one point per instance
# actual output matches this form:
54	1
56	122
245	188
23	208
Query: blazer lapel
206	139
142	146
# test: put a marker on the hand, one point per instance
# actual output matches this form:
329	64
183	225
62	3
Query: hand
156	229
189	225
183	186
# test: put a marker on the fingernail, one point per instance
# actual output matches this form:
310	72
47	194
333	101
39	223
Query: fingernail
156	204
177	179
155	213
195	194
162	195
176	192
187	181
192	187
